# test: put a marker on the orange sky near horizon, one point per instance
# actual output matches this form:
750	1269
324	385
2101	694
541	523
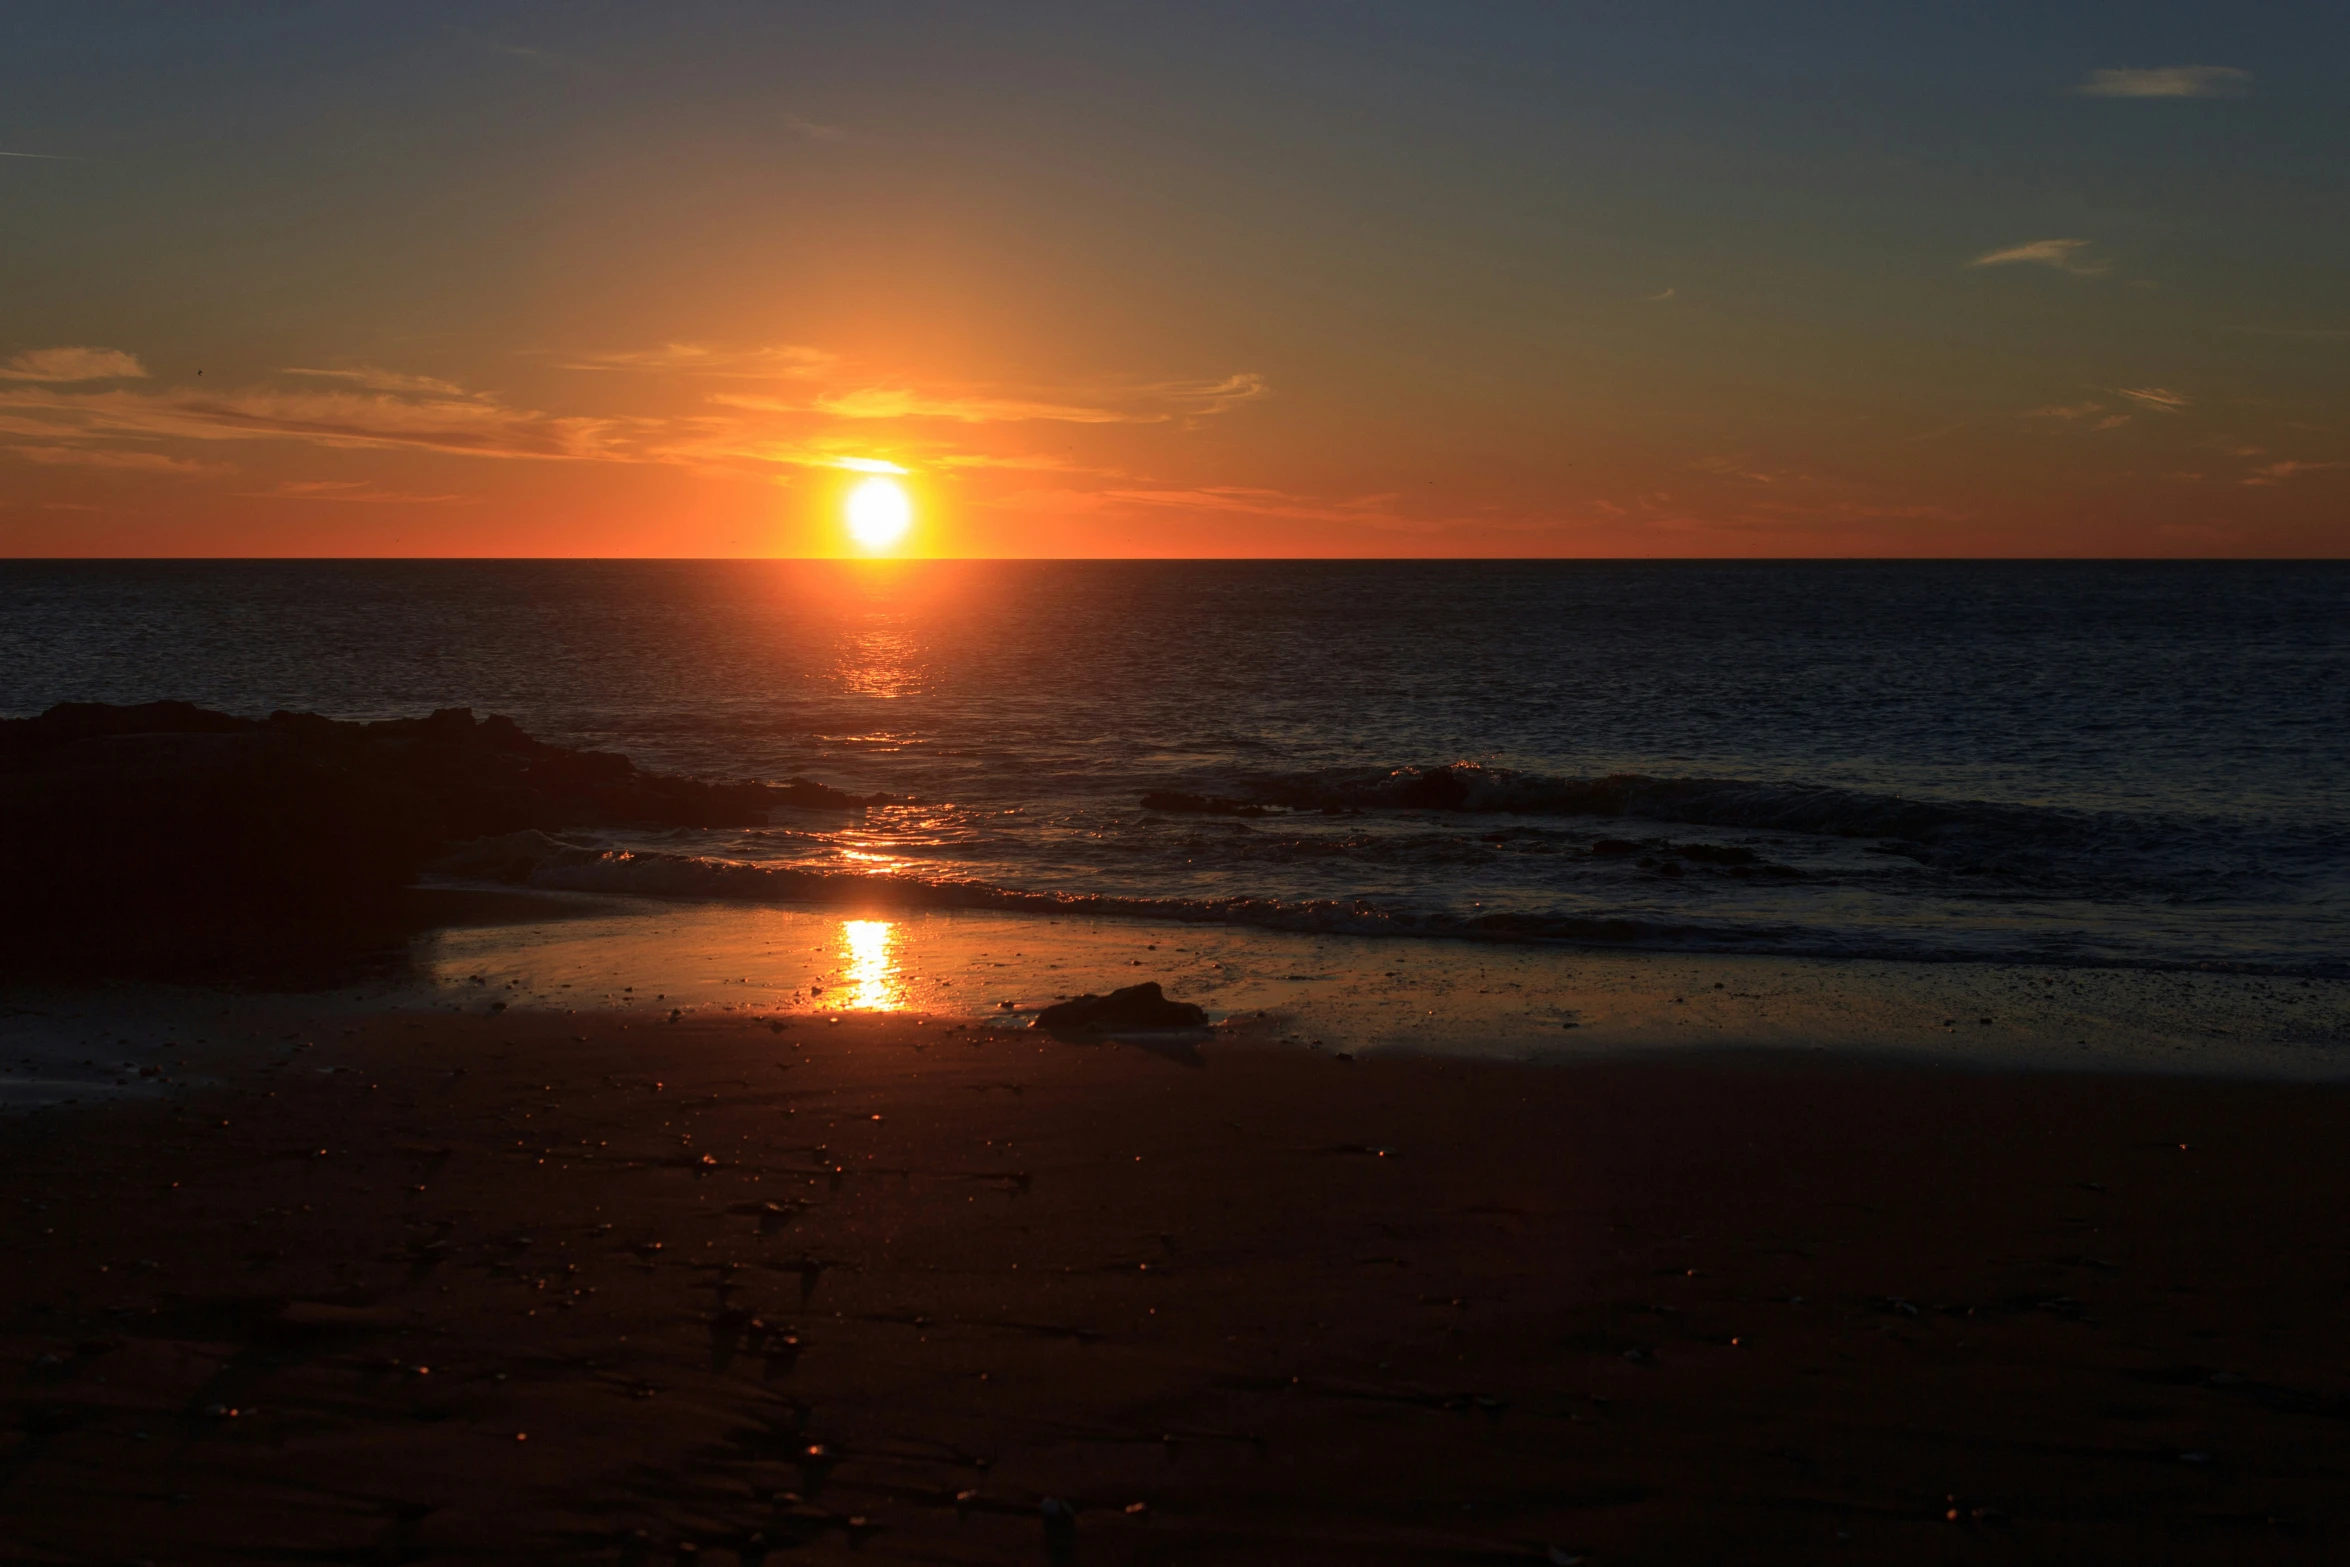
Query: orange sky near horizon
636	287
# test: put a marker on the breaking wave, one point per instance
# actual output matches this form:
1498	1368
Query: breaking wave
548	863
538	860
1953	835
1711	802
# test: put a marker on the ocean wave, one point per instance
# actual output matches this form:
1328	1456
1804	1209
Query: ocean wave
572	865
1820	809
1966	836
568	865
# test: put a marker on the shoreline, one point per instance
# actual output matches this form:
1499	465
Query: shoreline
887	1286
485	950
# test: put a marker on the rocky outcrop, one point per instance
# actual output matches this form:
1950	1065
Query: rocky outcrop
165	829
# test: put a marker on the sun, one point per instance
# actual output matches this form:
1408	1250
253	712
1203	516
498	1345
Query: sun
879	513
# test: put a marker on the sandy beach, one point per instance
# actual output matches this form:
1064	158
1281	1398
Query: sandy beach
537	1286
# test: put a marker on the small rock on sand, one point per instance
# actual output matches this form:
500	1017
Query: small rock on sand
1135	1006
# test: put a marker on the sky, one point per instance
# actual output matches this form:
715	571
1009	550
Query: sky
1178	279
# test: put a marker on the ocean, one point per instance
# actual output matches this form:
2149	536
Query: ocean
2135	765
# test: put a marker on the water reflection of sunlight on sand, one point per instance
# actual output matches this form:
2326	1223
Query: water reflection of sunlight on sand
870	974
1349	992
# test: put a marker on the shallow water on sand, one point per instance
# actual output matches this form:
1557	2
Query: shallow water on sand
653	962
1362	994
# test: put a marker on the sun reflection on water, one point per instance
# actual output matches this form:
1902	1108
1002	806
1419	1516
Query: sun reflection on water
870	971
881	663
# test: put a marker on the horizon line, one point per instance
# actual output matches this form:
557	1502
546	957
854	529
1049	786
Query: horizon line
1205	560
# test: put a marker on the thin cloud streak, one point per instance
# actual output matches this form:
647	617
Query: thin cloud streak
108	457
1215	397
1177	398
2065	255
353	491
2076	412
786	360
373	407
471	426
73	364
877	402
2278	472
2169	81
377	379
2159	398
1254	502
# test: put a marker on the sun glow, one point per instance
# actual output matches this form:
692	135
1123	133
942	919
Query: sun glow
879	512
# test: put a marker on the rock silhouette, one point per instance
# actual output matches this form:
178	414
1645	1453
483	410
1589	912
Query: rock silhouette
166	830
1136	1006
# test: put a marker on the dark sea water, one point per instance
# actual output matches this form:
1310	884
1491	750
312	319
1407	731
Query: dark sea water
2144	764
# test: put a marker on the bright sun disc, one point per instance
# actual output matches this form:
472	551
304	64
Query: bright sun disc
879	513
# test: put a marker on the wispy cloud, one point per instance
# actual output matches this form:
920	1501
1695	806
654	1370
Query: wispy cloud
471	425
2065	255
2168	81
377	379
796	421
356	491
1743	470
2160	399
1250	501
109	457
2093	414
730	443
73	364
878	402
1030	462
45	157
2278	472
1150	403
1214	397
500	47
790	360
1659	297
815	130
859	394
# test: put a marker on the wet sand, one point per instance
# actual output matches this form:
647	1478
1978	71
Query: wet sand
609	1288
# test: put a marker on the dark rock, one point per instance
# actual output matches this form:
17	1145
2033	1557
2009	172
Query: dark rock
1136	1006
809	795
167	831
